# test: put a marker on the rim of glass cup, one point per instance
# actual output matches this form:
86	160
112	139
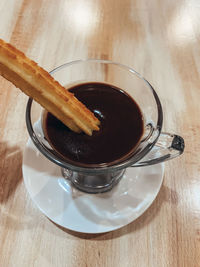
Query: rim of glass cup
121	165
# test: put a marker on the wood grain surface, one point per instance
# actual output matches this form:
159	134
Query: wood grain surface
159	39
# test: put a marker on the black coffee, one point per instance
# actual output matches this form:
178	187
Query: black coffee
120	131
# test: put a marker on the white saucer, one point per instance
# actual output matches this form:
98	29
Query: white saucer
89	213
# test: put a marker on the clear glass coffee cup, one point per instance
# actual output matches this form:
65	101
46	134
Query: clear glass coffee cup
155	146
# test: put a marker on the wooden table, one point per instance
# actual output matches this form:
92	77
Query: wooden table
159	39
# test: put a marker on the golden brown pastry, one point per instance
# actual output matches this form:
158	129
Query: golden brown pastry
37	83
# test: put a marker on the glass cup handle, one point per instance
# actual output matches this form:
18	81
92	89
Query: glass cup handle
168	146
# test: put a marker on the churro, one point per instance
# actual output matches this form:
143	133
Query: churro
38	84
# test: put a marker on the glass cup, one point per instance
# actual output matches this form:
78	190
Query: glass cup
155	146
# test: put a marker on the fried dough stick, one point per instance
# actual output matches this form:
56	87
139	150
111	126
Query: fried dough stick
38	84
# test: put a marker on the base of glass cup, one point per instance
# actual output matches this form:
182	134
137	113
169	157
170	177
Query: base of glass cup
93	183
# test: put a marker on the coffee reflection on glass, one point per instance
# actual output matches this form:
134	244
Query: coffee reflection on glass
130	133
